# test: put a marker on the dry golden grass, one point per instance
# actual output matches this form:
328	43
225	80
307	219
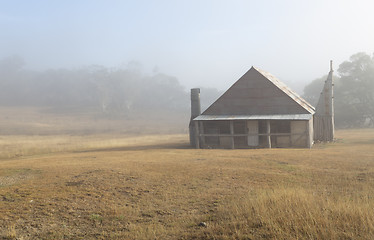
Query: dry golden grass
46	121
155	187
27	145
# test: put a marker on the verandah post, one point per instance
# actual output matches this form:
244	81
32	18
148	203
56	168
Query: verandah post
232	134
197	134
268	133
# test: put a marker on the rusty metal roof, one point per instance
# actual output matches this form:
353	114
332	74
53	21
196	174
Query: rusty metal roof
296	97
254	117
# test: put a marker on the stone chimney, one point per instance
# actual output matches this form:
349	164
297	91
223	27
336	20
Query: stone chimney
195	111
195	103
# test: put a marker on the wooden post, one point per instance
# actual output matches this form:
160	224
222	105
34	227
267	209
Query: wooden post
268	133
308	137
201	125
197	134
232	134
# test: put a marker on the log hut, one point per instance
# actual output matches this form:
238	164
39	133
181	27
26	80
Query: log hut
257	111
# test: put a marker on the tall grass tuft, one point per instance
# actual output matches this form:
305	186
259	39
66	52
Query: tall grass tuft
296	213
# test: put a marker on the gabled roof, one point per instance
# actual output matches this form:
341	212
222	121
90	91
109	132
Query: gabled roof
259	93
287	90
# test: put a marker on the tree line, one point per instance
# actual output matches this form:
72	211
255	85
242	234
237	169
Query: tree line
114	92
353	91
127	91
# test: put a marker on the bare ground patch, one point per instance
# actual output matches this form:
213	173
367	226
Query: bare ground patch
10	177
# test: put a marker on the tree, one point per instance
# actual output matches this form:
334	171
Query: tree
312	91
208	96
353	92
11	64
12	80
356	91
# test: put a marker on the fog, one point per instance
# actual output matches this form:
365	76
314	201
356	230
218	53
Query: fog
123	56
92	99
209	43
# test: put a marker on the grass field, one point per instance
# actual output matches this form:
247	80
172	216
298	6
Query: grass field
155	187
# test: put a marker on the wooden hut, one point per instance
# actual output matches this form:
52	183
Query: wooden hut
257	111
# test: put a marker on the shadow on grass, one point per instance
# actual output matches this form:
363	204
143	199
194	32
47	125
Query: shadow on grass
141	147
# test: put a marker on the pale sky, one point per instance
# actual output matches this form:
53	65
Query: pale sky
208	43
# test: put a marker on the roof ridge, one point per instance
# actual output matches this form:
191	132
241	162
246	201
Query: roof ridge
282	86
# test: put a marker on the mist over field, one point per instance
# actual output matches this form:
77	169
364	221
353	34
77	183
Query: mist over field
126	99
124	59
107	99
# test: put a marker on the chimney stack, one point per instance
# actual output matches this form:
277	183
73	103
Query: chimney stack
195	103
195	111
